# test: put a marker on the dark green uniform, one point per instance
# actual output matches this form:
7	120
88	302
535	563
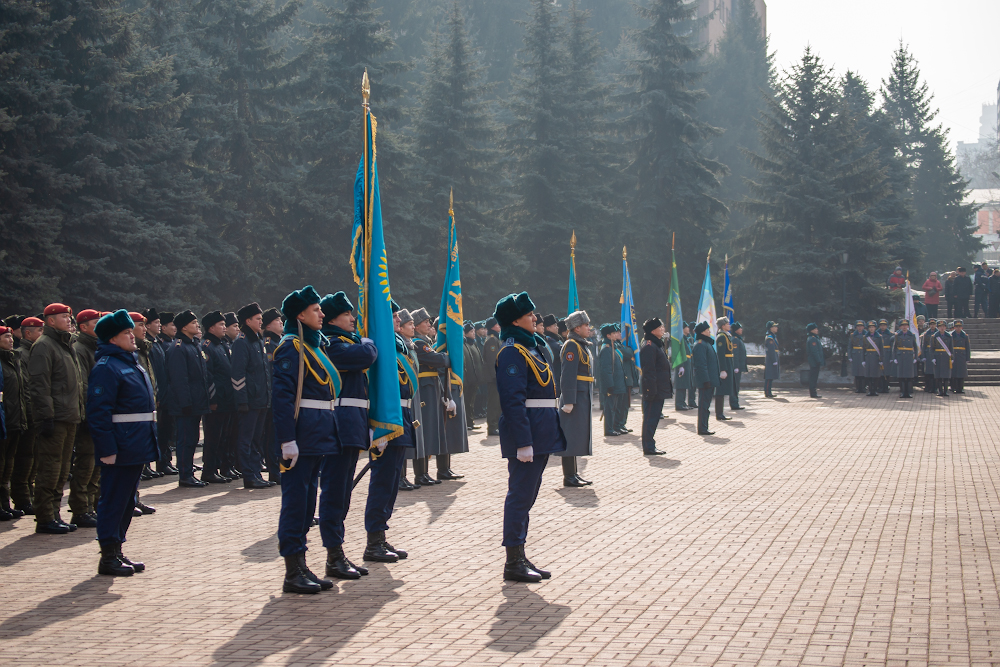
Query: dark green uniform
85	485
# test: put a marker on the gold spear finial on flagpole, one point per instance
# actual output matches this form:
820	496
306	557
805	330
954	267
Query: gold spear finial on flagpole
709	258
572	244
623	252
673	240
451	202
366	89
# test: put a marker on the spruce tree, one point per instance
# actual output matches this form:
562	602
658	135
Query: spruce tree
675	183
814	189
943	222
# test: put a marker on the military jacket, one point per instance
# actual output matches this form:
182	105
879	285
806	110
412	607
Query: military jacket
656	385
85	348
904	355
885	340
772	368
941	354
187	375
54	380
961	351
157	359
705	362
814	351
14	391
523	375
685	381
555	344
856	353
612	370
220	373
315	431
739	355
872	349
352	360
119	385
725	350
250	371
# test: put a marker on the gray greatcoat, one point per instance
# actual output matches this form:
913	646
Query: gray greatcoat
903	355
856	353
431	406
417	451
772	369
725	349
941	344
685	381
576	382
872	345
962	351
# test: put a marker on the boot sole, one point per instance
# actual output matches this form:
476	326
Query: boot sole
286	588
379	559
109	573
338	575
520	579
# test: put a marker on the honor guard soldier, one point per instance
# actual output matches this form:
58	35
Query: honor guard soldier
353	356
927	353
724	349
576	365
684	388
739	365
166	427
903	355
491	348
473	370
529	426
772	369
158	360
57	404
22	481
614	391
250	377
550	324
273	331
872	350
942	357
404	327
656	385
631	380
706	374
431	395
856	355
121	414
14	392
304	387
187	373
815	356
219	422
85	474
961	353
143	349
885	340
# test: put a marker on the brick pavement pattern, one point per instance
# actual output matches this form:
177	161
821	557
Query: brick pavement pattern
849	530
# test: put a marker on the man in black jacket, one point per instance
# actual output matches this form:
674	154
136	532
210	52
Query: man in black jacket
218	423
187	373
963	290
656	385
251	383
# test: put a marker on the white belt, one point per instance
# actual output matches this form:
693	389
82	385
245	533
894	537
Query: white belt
134	417
541	403
406	402
352	402
313	404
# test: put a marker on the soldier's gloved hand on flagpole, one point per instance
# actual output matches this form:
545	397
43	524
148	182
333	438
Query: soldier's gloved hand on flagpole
862	363
452	408
290	452
526	454
367	340
567	408
775	363
680	372
723	375
934	361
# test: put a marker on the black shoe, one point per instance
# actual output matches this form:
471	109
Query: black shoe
692	406
315	521
145	475
625	430
136	512
545	573
214	478
612	434
191	482
723	418
144	508
738	407
681	408
581	480
324	584
516	568
377	550
137	567
404	484
26	509
72	526
653	452
706	432
170	470
52	528
449	475
297	581
573	481
338	566
427	480
110	563
5	515
254	483
84	520
363	571
232	473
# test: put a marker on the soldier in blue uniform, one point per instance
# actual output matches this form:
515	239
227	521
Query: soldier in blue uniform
961	352
304	388
684	389
815	356
941	357
739	365
529	426
250	377
352	355
706	374
772	371
188	399
273	331
218	423
121	413
904	355
724	349
856	355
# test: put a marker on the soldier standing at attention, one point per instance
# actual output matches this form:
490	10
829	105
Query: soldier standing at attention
550	331
885	340
404	327
772	371
962	352
529	426
273	331
706	374
218	423
684	389
473	370
816	357
612	379
491	348
724	349
575	405
250	376
656	385
927	349
121	412
872	349
739	365
941	357
187	372
14	388
85	478
431	394
166	426
904	357
22	481
856	355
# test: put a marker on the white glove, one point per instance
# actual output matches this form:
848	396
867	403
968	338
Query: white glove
526	454
934	361
895	361
776	363
723	375
381	446
567	408
452	408
862	363
367	340
736	370
290	451
680	372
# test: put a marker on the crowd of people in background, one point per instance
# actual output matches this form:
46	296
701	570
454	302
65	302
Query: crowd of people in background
956	287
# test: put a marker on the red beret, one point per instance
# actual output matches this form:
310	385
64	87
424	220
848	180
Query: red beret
32	322
56	309
137	318
4	330
81	317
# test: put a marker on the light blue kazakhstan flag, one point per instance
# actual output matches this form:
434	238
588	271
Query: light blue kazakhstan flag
451	333
727	297
629	336
371	273
574	298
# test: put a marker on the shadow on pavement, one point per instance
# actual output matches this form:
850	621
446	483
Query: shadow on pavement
577	497
32	545
523	618
83	598
666	464
315	626
438	498
235	496
262	551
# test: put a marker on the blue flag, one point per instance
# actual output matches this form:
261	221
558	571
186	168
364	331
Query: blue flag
629	337
451	332
727	297
574	298
371	273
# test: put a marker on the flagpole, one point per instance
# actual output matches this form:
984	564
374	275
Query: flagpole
366	249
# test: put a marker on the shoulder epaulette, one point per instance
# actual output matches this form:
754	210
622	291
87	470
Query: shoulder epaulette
103	360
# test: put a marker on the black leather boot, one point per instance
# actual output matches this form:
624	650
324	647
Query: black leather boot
404	484
516	568
324	584
545	573
399	552
363	571
719	407
110	563
297	581
337	564
83	520
377	550
136	566
5	504
444	468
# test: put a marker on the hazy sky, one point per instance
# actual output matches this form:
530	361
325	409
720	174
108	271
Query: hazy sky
956	43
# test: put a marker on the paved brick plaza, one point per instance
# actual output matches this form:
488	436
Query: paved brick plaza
845	531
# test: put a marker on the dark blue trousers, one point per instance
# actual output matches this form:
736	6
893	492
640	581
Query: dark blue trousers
251	433
217	426
680	398
298	503
523	482
165	435
114	508
704	407
338	476
650	419
187	439
383	487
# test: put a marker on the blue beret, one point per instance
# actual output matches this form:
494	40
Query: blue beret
334	305
113	324
512	307
298	301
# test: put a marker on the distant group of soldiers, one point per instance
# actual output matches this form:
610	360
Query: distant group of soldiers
939	353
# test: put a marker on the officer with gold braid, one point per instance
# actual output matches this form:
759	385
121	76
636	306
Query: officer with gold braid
577	385
305	386
529	426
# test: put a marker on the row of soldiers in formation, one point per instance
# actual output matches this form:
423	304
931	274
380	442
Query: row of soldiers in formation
938	351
